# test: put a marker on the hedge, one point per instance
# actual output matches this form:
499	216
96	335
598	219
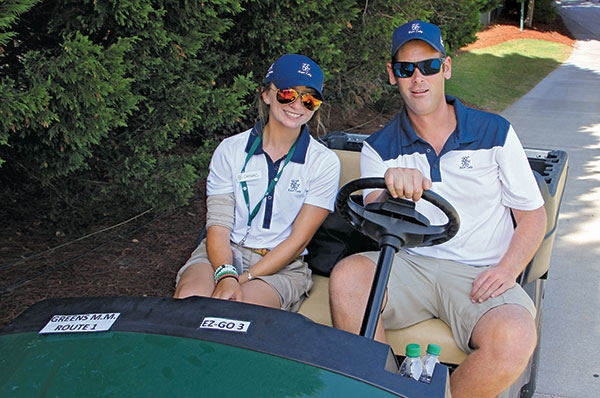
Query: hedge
118	103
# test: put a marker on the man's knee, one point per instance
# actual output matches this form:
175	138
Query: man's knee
350	274
508	333
349	286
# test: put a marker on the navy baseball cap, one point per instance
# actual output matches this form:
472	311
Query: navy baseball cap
418	30
295	70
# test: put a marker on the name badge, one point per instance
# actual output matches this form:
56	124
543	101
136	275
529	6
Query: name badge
249	176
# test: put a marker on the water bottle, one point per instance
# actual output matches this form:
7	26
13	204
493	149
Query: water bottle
412	365
429	361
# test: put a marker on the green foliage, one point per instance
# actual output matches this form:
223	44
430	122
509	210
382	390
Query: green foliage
268	29
87	96
97	94
365	49
458	20
9	13
361	77
544	12
349	39
487	5
100	100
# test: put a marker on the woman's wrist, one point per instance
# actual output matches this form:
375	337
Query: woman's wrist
226	271
246	277
226	277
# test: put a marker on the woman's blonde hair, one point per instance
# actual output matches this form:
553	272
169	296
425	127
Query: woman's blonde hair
315	125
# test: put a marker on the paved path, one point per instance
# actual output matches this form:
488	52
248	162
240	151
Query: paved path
563	112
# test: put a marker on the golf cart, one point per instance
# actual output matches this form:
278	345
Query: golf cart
154	346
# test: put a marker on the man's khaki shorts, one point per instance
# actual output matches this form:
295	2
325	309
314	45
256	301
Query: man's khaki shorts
422	288
291	283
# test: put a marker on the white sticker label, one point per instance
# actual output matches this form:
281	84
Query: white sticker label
249	176
80	323
229	325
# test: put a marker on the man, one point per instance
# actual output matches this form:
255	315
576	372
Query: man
475	161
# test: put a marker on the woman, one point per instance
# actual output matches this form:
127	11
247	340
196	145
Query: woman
269	189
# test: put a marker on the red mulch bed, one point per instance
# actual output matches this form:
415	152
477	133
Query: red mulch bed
505	30
39	259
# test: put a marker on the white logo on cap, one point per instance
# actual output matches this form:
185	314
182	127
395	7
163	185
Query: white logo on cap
270	71
305	69
415	28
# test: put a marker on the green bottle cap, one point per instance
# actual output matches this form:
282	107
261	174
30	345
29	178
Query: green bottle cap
413	350
434	349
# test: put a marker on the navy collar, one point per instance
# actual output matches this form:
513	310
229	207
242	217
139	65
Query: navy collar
462	134
301	147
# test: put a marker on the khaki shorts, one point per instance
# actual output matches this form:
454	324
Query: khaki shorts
291	283
422	288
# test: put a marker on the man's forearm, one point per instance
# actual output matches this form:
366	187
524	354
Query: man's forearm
529	233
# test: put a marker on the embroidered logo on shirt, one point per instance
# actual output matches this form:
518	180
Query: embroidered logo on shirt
465	163
294	186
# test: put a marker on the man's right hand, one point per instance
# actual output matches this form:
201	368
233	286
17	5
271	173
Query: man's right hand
406	183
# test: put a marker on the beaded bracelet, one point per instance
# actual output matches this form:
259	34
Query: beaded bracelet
225	269
225	277
223	273
225	266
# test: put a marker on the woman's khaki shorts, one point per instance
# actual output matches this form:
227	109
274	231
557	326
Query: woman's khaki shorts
291	283
422	288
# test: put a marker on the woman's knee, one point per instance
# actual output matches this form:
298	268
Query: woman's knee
196	280
187	288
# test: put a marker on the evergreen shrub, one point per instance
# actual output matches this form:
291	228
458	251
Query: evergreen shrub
110	104
543	10
97	94
487	5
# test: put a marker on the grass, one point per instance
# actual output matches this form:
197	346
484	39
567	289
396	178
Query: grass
493	78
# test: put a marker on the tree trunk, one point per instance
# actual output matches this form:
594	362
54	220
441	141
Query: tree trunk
529	19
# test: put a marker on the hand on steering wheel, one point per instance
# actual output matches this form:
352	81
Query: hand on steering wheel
396	217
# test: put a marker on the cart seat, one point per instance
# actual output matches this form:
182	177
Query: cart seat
316	308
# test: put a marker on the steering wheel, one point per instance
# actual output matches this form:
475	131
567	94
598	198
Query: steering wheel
396	222
393	223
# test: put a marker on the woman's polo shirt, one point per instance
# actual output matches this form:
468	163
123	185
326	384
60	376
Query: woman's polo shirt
311	176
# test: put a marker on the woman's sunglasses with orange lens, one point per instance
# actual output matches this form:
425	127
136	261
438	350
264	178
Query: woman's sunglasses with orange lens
287	96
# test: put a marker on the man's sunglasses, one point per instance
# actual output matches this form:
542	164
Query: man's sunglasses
287	96
427	67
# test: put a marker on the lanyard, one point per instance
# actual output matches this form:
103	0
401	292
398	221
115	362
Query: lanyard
252	215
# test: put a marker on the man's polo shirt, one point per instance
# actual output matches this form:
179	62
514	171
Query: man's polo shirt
482	171
311	176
